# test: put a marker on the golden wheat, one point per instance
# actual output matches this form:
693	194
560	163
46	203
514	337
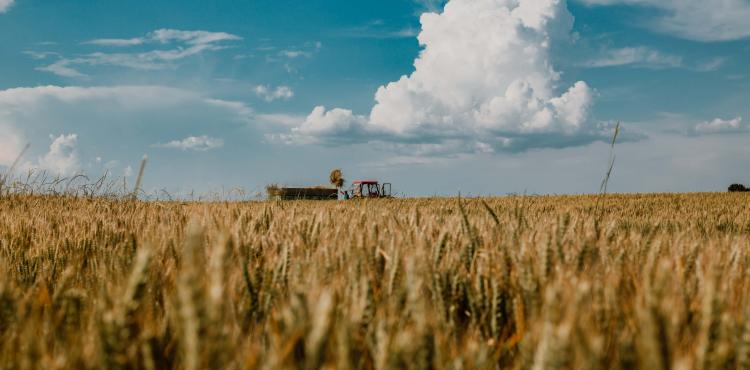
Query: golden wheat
571	282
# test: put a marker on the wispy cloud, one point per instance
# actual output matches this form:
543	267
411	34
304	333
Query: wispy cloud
378	29
116	42
699	20
5	5
720	126
141	115
62	68
292	54
430	5
193	143
306	51
181	45
166	36
39	55
646	57
711	65
639	56
270	94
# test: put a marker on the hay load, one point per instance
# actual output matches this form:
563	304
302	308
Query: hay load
276	192
738	188
337	178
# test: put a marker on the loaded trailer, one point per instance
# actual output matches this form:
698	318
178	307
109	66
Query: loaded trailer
302	193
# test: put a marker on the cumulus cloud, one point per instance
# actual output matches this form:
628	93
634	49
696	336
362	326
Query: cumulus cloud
194	143
61	159
484	81
5	5
331	126
721	126
179	45
270	94
699	20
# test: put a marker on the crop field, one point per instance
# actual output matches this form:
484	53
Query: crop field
571	282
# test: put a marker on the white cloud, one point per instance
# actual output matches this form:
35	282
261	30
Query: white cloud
118	122
330	125
721	126
166	36
61	159
25	98
293	54
39	55
484	81
431	5
182	44
11	144
636	56
62	69
194	143
270	94
282	119
5	5
117	42
378	29
700	20
711	65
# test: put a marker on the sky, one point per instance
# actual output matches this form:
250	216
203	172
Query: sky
481	97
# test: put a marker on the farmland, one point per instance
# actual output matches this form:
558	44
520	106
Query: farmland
572	282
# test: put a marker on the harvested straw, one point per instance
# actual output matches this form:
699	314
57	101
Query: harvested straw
337	178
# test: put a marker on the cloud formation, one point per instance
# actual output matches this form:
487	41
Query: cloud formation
431	5
11	144
721	126
111	124
193	143
483	82
379	29
699	20
639	56
62	158
5	5
179	45
270	94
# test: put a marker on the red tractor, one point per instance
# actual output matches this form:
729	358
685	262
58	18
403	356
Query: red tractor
368	189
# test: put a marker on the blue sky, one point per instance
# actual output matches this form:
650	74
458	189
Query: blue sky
477	96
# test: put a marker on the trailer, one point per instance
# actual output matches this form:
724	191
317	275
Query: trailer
302	193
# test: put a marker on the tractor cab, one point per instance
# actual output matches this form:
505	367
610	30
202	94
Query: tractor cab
368	189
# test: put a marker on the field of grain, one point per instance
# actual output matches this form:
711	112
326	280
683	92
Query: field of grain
577	282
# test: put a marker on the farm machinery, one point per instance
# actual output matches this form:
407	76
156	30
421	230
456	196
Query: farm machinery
359	189
367	189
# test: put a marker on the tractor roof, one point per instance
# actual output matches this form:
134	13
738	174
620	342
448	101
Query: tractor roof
365	182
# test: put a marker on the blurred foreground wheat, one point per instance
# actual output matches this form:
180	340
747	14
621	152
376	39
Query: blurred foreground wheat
652	282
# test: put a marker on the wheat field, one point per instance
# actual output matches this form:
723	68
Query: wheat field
521	282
